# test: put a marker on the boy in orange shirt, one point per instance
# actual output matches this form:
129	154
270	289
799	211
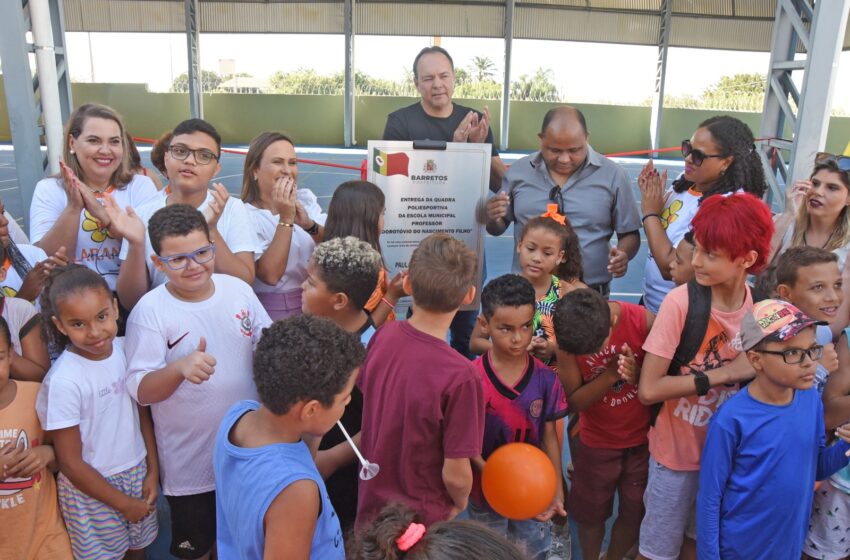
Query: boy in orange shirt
732	239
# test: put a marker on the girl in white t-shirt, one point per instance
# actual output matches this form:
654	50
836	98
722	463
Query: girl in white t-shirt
67	210
720	158
103	441
288	220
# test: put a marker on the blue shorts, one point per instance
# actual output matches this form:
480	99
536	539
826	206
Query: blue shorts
533	537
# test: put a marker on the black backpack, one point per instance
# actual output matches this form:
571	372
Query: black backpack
693	332
696	325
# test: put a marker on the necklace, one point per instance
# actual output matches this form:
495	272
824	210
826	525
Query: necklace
98	194
828	239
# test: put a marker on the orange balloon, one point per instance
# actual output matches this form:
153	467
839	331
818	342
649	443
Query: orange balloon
519	481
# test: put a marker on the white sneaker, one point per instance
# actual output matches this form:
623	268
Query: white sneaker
561	547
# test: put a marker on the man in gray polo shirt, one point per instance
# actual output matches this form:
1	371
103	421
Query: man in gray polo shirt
592	191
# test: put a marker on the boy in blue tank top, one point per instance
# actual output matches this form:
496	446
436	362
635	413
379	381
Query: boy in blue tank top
305	369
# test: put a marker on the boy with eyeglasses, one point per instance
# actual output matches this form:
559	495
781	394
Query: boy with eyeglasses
192	161
189	349
766	446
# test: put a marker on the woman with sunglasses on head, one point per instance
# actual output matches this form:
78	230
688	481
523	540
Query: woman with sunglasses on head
288	220
816	210
67	211
720	158
817	215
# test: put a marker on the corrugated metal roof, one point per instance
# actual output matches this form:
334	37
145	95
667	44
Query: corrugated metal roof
103	15
450	19
585	25
709	33
704	7
755	8
717	24
277	17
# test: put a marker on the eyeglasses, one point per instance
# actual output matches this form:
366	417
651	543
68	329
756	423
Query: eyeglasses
795	355
841	162
557	196
697	156
181	260
202	156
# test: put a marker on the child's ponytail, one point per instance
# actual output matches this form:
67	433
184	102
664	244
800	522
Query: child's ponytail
378	541
396	534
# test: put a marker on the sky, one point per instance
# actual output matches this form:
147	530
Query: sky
583	72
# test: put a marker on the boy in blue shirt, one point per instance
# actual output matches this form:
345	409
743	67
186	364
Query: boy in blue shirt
766	446
305	369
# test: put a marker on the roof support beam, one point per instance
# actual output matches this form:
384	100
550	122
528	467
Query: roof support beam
25	92
505	118
348	102
660	73
808	117
196	100
24	112
42	31
815	102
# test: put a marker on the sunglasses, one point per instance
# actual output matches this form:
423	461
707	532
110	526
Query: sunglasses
556	196
697	156
841	162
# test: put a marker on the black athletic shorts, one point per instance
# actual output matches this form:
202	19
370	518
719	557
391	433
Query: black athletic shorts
192	524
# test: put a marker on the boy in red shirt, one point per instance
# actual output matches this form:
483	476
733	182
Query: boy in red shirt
423	413
597	367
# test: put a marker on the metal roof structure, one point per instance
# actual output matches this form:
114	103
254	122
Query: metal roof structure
711	24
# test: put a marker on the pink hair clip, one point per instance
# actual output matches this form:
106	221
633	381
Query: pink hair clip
411	536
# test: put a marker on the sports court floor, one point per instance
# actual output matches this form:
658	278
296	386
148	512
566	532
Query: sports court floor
322	181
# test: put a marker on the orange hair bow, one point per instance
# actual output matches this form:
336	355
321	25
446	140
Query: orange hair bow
552	212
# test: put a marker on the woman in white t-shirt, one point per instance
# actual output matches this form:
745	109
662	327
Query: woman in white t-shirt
67	210
288	220
720	158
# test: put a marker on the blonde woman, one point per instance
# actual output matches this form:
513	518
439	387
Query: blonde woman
67	210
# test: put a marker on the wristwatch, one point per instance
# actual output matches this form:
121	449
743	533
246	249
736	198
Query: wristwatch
314	229
702	383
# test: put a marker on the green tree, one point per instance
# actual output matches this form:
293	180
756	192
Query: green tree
747	84
537	87
482	68
479	90
740	92
461	77
306	81
209	82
